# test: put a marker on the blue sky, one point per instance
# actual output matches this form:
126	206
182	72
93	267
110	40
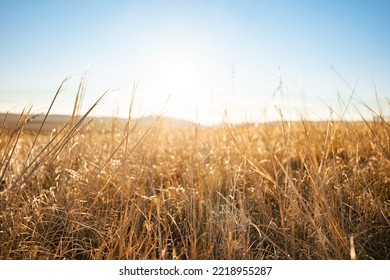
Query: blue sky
207	56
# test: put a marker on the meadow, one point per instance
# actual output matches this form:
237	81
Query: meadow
123	189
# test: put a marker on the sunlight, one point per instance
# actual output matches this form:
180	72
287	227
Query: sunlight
182	74
177	71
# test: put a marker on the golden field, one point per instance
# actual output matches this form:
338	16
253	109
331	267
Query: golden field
127	190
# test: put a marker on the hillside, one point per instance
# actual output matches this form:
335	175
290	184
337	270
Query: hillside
55	121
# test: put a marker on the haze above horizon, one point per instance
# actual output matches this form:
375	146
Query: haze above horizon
196	60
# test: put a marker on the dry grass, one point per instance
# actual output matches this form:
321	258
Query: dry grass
301	190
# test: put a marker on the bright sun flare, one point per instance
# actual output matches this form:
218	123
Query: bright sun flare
177	71
184	76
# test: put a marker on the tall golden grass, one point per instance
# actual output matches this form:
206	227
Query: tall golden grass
280	190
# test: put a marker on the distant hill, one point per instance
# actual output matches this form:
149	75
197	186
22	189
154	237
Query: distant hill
35	121
54	121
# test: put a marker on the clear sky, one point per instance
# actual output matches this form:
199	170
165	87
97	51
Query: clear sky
209	56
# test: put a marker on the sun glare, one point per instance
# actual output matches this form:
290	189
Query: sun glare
182	74
177	71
